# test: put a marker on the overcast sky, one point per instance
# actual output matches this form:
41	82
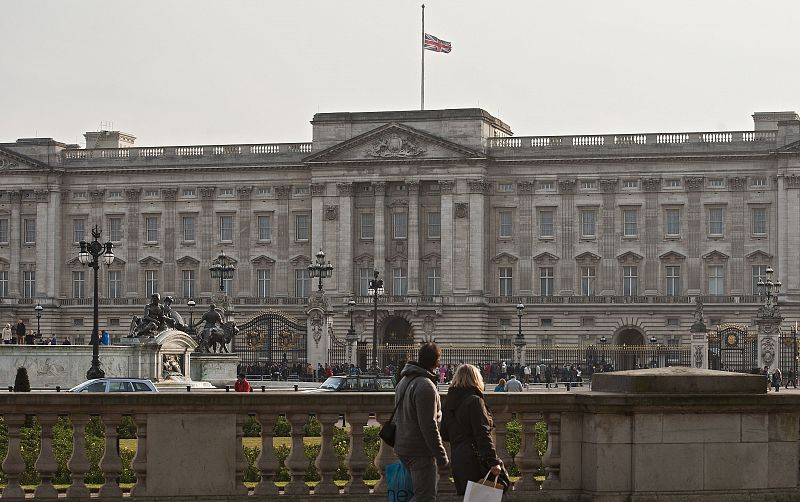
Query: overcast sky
218	72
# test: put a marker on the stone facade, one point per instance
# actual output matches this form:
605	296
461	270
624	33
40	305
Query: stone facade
598	235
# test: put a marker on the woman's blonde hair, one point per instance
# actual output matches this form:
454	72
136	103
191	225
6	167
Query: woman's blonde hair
468	376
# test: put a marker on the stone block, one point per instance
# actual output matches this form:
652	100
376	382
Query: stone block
191	455
607	428
677	380
782	469
570	474
668	467
735	466
647	428
589	466
754	428
612	467
702	428
783	427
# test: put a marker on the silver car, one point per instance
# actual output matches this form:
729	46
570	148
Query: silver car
115	385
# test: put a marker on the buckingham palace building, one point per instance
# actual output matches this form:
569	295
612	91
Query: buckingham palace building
609	236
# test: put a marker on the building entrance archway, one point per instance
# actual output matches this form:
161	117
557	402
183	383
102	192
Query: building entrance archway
629	354
395	343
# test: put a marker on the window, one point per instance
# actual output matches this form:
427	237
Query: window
4	283
4	230
546	281
301	190
113	321
673	221
399	281
505	187
152	193
28	284
506	279
78	321
630	219
759	274
434	281
673	321
367	225
759	220
588	185
587	321
226	228
188	192
265	191
506	225
115	229
79	195
116	194
630	183
150	282
364	276
301	227
546	322
759	182
78	284
718	183
630	281
716	224
673	280
227	285
264	278
400	225
674	183
187	283
114	283
264	228
78	230
546	185
301	282
151	229
588	222
546	229
588	275
716	280
29	231
226	192
187	228
434	225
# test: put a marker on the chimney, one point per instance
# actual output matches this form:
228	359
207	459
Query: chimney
109	139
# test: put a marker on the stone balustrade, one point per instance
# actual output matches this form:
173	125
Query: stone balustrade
215	153
634	440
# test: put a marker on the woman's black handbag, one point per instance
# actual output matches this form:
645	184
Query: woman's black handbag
388	431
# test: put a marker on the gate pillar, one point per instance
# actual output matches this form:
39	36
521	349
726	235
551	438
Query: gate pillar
317	314
768	332
699	337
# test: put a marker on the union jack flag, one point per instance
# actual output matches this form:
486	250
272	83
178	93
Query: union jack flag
432	43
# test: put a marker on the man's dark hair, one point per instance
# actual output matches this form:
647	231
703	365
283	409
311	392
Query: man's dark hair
241	375
429	355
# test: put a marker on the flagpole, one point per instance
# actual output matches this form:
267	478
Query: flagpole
422	45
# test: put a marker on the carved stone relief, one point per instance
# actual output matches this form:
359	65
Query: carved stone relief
462	209
394	146
331	213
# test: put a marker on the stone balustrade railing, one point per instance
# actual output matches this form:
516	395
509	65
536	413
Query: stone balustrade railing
190	446
619	143
214	153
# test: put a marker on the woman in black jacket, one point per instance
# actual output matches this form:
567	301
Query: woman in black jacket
467	425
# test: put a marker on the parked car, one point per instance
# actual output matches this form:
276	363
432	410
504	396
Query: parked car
359	383
115	385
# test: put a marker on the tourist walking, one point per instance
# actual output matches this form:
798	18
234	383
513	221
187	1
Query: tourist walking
19	329
513	385
241	385
791	379
418	442
548	376
467	424
776	379
7	333
527	372
501	385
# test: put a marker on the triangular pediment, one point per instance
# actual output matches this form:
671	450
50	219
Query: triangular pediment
393	142
759	255
672	255
364	259
187	261
431	258
262	260
505	258
715	255
790	148
587	256
11	161
150	260
299	259
629	256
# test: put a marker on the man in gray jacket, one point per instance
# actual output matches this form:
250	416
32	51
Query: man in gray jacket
418	442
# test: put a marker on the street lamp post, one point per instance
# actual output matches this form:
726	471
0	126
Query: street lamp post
320	269
351	333
654	358
38	308
603	341
519	342
222	269
191	303
90	254
375	290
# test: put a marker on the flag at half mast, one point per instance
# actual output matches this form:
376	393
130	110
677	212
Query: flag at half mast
432	43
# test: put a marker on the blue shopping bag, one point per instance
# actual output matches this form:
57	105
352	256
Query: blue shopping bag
398	481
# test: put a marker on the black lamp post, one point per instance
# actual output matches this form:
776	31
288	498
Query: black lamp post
375	290
191	305
519	342
38	308
770	291
603	341
654	359
351	333
320	269
90	254
222	269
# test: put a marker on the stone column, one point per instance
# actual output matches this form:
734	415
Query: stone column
169	224
525	263
651	235
788	233
739	234
54	258
566	268
45	244
475	249
609	242
132	282
283	240
446	240
344	278
15	245
204	231
317	312
244	283
379	189
694	230
318	219
413	238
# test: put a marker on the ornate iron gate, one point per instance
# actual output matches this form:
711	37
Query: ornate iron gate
270	341
733	348
787	349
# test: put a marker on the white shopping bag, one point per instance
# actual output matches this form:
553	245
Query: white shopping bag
483	491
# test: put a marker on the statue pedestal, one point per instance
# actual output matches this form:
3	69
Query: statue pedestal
217	369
